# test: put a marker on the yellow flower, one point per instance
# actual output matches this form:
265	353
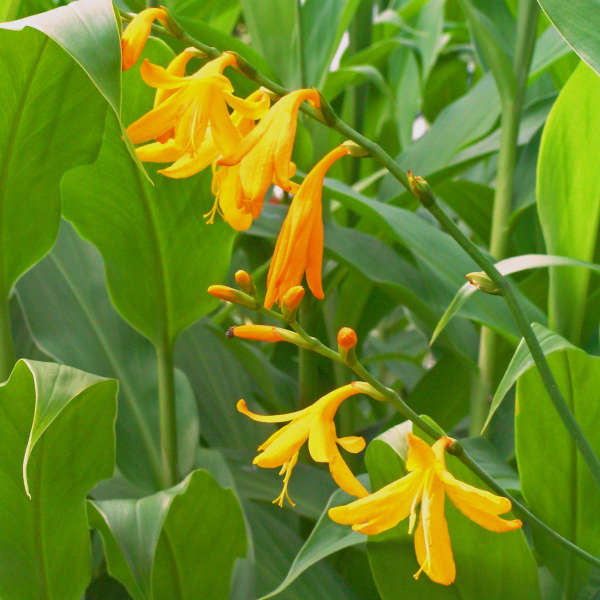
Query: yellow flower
299	247
427	482
197	101
136	33
315	424
265	154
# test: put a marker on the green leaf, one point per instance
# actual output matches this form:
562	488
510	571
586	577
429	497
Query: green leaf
430	39
488	565
163	546
578	21
322	25
568	193
326	538
571	505
522	362
88	31
486	35
508	266
77	324
45	98
57	427
153	238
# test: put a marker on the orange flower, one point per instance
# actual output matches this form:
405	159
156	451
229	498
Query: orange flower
265	154
136	33
299	247
197	101
314	423
427	482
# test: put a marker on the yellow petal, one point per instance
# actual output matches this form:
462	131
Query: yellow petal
177	68
432	541
158	152
241	407
253	107
321	439
190	163
136	33
158	77
420	455
394	500
344	477
225	134
352	443
284	445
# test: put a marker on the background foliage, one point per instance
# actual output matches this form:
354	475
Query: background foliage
104	267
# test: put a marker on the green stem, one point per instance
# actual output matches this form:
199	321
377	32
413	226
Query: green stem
7	351
503	197
167	413
308	378
531	340
300	49
455	449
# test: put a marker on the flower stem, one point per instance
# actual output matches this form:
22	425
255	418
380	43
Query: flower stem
167	413
7	352
588	454
503	197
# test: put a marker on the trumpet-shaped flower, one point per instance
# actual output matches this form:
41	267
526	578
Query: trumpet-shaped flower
265	154
299	247
197	102
427	482
315	424
136	33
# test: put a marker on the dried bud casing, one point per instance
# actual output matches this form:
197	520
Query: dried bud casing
483	282
224	292
244	281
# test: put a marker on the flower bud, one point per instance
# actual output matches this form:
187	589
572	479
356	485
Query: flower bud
291	301
483	282
136	34
224	292
355	149
347	339
420	188
267	333
244	281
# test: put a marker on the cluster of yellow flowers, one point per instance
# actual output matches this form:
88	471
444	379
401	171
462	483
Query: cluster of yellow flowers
250	148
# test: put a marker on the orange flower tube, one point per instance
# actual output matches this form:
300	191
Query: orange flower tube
136	34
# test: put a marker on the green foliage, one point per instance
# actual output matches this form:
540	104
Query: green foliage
58	442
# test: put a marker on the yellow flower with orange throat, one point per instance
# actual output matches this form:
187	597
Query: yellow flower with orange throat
427	483
315	424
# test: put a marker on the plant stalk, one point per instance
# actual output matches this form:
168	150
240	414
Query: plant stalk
503	198
167	413
7	351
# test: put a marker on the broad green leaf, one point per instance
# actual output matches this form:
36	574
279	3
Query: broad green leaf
220	14
57	428
153	238
325	539
488	565
508	266
568	193
522	362
322	25
485	34
165	545
578	21
447	82
557	484
88	31
549	48
77	324
45	97
429	38
274	35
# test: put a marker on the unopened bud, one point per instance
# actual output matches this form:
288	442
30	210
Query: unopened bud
291	301
244	281
224	292
420	188
267	333
347	340
483	282
355	149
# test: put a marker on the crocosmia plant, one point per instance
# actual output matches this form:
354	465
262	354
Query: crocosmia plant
299	300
